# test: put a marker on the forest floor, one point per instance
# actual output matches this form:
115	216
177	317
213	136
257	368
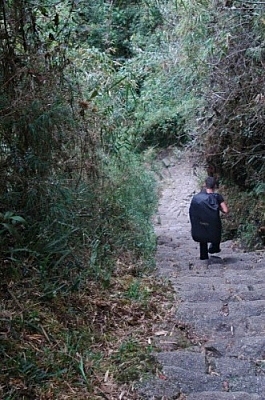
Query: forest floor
219	305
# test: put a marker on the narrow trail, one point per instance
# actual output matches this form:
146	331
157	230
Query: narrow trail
223	303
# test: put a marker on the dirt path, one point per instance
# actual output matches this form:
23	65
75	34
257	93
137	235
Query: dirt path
222	303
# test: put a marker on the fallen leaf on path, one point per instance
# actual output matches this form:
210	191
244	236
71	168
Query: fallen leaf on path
161	333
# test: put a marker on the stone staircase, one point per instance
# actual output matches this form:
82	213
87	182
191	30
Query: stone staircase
221	303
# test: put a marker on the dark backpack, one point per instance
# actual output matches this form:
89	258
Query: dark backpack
205	219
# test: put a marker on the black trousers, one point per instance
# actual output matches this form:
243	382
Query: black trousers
213	248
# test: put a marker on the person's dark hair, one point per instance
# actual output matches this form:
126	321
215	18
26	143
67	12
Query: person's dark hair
210	182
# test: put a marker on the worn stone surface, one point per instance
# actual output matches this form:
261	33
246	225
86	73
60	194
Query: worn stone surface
222	302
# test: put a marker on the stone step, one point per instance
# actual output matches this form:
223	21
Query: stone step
184	359
216	319
158	389
206	361
224	396
232	270
198	274
167	389
240	293
211	373
190	381
209	309
250	348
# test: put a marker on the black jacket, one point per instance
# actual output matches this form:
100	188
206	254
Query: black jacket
205	218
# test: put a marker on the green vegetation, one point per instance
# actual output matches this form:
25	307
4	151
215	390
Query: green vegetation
223	41
89	92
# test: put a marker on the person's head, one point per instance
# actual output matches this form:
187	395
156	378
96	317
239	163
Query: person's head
211	183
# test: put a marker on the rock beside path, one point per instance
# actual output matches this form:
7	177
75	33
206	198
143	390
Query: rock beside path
221	302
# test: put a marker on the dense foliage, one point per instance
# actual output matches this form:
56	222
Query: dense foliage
224	41
64	177
75	202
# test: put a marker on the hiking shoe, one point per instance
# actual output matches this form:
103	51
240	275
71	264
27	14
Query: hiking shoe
213	250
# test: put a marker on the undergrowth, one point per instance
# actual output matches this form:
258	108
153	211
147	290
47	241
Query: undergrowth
82	344
245	222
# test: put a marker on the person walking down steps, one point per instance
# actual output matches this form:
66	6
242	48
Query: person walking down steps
204	212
